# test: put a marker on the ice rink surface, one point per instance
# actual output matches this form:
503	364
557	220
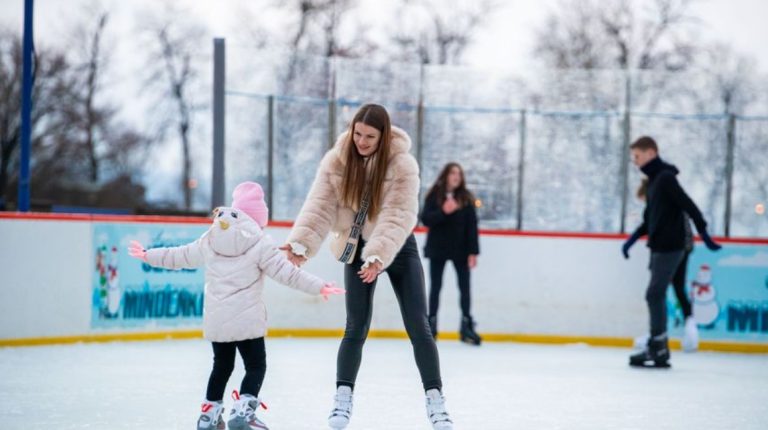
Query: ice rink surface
159	385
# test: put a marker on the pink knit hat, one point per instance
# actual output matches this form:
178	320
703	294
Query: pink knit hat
249	198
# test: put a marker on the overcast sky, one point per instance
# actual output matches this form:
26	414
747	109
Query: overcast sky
738	22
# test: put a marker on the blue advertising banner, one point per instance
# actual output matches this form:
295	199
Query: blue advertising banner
728	291
128	293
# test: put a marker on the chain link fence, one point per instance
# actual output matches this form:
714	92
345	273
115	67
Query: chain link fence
547	152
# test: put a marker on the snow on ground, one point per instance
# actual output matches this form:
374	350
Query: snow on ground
159	385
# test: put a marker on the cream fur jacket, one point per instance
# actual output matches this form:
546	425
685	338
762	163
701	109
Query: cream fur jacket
323	213
237	255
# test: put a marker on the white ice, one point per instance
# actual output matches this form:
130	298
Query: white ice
159	385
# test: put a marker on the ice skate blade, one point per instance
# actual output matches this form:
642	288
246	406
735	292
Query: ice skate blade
469	341
650	365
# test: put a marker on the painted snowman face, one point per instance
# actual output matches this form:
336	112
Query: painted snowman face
704	277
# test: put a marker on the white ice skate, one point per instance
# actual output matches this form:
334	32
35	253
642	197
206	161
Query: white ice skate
690	341
210	416
342	408
640	342
243	415
436	412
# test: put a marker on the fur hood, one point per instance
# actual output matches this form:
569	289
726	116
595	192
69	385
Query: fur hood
324	213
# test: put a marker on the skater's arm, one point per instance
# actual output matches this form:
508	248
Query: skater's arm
277	266
188	256
318	213
681	199
473	239
399	207
432	214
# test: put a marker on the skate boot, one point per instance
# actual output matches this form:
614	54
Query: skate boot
433	325
436	412
342	408
243	415
640	342
210	416
690	341
467	332
655	354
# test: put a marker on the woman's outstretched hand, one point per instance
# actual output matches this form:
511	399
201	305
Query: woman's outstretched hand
296	260
369	274
330	289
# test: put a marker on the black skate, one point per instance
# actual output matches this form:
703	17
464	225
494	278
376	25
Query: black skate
655	354
467	333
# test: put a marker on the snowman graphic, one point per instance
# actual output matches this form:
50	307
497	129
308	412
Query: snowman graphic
113	286
705	307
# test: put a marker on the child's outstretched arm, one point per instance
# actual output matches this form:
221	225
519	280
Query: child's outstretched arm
187	256
277	266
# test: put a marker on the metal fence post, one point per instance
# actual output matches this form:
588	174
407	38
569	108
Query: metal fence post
521	168
219	76
332	102
624	155
270	154
731	145
420	127
27	81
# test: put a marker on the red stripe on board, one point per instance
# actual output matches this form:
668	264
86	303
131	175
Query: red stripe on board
288	224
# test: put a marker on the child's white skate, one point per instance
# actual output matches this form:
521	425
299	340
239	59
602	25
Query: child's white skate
243	415
690	341
342	408
210	416
436	412
640	342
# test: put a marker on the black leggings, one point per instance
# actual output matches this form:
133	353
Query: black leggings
678	282
407	278
436	267
255	361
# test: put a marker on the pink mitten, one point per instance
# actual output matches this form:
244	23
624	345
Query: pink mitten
330	289
137	251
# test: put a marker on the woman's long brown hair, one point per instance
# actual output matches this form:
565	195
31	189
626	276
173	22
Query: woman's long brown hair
354	182
440	187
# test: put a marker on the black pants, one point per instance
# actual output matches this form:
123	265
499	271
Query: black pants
663	267
436	267
255	361
678	282
407	278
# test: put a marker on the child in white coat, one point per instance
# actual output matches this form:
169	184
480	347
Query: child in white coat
237	255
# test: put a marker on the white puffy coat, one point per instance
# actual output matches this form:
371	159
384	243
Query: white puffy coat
236	259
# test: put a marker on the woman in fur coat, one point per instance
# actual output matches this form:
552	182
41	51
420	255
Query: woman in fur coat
365	194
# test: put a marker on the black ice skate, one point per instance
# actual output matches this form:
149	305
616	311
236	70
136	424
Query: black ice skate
467	333
655	354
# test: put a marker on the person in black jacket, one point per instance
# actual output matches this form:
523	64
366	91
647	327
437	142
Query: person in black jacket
664	222
690	340
449	212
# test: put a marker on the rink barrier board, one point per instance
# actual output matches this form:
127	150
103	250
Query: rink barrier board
616	342
717	345
288	224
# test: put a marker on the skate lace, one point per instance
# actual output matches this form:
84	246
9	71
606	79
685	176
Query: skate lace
247	409
342	405
436	410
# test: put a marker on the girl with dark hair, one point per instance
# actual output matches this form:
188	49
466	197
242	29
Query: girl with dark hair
449	212
366	193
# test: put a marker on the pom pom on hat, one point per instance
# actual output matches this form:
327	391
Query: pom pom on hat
249	198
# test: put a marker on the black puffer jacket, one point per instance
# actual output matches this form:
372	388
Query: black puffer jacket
450	236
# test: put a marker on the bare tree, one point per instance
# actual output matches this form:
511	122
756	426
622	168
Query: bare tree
624	34
173	70
435	32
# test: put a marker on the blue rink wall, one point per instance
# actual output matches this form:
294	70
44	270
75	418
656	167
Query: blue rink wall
69	278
